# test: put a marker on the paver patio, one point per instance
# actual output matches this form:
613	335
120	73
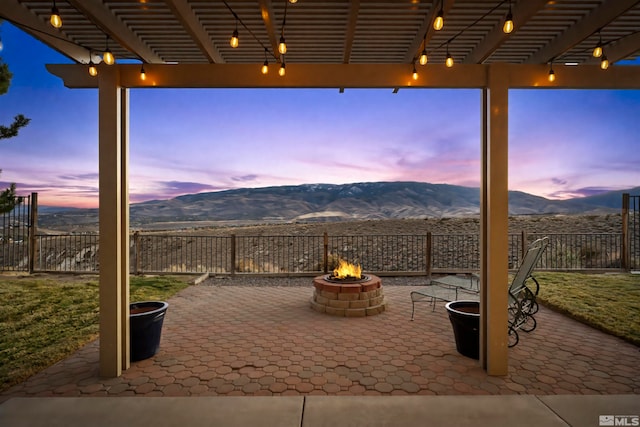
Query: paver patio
223	338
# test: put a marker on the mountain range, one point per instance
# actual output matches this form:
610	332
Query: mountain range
330	202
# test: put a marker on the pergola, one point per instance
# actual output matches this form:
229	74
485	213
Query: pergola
330	44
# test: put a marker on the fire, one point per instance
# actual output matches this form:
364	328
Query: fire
347	270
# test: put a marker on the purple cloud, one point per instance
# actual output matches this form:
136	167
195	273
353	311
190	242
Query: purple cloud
581	192
84	176
244	178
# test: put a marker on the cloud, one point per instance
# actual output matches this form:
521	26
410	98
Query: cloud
559	181
185	187
244	178
580	192
80	177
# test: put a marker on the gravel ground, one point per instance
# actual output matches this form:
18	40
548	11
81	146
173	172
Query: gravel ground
301	281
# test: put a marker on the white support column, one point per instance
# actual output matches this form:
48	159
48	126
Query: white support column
494	214
111	227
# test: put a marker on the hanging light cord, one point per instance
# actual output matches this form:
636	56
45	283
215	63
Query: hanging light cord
604	44
459	33
235	15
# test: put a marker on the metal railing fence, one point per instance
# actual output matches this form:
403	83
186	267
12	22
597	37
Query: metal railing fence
67	253
287	255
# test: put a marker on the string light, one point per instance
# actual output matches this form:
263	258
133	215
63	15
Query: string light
282	71
552	74
423	57
604	62
265	66
282	46
449	61
55	20
143	74
508	22
597	51
415	73
439	21
93	71
107	57
234	42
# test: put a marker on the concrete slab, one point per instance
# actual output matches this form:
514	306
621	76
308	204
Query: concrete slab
586	410
229	411
418	411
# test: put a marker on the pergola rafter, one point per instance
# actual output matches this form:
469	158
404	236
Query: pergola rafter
192	25
605	13
102	17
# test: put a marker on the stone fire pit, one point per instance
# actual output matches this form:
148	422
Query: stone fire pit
359	298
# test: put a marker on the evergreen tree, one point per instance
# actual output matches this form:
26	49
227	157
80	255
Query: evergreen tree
8	199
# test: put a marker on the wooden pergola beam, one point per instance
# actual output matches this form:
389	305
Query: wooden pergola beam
352	76
41	30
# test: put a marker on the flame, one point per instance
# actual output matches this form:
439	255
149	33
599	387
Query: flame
346	269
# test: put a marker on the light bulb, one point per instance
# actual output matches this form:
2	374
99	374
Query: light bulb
108	58
293	1
234	39
439	22
282	70
508	24
597	51
93	71
552	75
55	20
604	63
449	61
265	67
423	58
143	74
415	73
282	47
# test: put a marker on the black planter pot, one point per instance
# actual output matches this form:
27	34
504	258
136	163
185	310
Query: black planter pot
145	320
465	319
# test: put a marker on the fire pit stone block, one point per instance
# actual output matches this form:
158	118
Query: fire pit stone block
348	299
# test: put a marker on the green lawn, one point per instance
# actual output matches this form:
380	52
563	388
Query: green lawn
609	302
43	319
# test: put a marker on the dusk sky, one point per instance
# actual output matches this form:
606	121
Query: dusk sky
562	143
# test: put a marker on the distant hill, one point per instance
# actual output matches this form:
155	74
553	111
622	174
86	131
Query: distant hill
328	202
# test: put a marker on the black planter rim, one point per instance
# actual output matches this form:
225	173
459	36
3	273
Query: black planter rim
451	307
160	306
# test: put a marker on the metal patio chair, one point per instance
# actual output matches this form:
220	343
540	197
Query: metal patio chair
523	291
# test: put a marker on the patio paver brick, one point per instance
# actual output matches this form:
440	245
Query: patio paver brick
247	345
